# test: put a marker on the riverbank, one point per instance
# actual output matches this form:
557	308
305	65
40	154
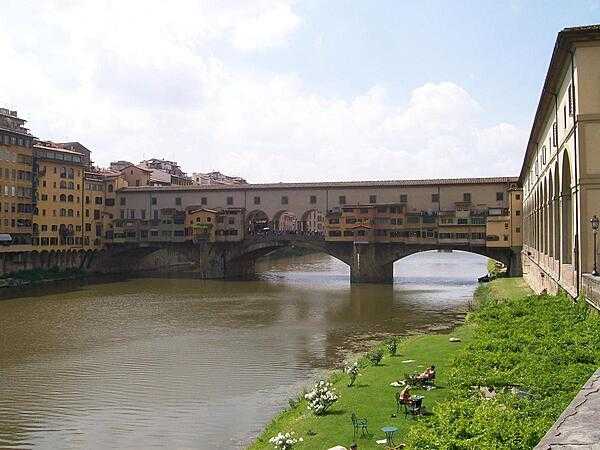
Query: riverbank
542	347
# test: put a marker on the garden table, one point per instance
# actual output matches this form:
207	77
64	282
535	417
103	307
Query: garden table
389	434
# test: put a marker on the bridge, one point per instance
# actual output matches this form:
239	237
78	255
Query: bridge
368	262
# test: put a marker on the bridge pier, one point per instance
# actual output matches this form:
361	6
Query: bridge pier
514	267
367	267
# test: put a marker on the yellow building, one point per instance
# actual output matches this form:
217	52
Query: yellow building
201	225
504	225
366	223
59	222
16	185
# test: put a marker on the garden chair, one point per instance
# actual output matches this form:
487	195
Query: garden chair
414	408
360	424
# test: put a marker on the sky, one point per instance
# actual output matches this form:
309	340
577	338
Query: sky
282	90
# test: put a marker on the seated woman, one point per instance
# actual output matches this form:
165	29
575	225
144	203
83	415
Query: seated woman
405	395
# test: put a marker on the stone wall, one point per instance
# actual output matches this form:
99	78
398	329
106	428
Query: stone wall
590	288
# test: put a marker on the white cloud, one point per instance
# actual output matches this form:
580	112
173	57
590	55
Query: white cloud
133	80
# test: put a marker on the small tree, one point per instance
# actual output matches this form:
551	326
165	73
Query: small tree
392	346
375	357
321	397
352	371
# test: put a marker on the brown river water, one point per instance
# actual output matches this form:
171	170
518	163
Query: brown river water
194	364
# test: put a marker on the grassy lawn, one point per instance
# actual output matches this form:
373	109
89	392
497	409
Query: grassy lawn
372	396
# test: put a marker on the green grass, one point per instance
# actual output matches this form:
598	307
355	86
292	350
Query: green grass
546	345
372	396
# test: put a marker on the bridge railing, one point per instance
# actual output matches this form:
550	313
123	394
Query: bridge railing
284	236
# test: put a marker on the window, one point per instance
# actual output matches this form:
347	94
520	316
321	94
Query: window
467	197
462	221
284	200
137	182
110	188
203	200
313	199
517	230
571	100
178	201
98	200
499	196
230	201
257	200
122	201
372	199
505	237
341	201
565	116
435	198
143	214
132	213
403	198
518	196
110	202
517	213
555	134
231	221
153	201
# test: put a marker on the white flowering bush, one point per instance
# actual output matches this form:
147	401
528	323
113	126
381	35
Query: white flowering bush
284	441
321	397
352	371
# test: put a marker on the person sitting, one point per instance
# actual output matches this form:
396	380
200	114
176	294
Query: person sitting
405	395
428	375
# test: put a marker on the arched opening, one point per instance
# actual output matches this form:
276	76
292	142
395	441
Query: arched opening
550	215
285	222
566	214
544	218
257	222
313	222
556	209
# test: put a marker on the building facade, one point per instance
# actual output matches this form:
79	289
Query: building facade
561	170
16	180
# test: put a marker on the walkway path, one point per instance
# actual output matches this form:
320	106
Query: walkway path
578	427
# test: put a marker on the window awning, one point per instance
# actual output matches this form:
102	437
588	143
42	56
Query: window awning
5	238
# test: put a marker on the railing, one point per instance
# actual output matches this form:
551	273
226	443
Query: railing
284	236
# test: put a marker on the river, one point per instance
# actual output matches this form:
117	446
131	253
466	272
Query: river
195	364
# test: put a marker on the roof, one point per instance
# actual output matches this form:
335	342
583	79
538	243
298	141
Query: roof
560	55
137	167
195	210
326	185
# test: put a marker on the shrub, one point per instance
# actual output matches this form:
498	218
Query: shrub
284	441
352	371
392	346
321	397
375	357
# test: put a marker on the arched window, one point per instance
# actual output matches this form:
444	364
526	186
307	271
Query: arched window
70	213
63	184
566	213
70	198
63	172
71	185
63	212
63	198
71	173
110	188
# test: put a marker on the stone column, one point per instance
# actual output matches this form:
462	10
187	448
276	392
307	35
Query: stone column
515	265
367	266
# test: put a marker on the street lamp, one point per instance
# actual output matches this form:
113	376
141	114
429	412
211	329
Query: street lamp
595	224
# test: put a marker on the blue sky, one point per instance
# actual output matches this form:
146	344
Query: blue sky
277	90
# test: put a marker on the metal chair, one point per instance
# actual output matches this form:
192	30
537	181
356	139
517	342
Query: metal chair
360	424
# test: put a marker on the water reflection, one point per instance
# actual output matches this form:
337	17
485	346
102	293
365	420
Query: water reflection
158	363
